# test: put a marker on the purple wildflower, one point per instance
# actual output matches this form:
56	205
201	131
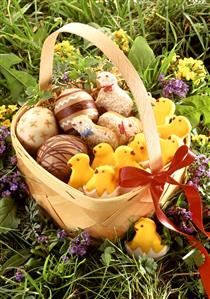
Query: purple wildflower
13	187
182	218
78	250
199	171
161	78
13	160
14	184
2	148
80	244
65	77
61	234
85	238
4	132
42	239
6	193
186	215
186	229
65	258
19	275
173	87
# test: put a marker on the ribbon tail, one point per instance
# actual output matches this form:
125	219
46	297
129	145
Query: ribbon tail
205	267
195	204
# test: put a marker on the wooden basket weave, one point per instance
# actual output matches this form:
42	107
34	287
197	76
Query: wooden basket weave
70	208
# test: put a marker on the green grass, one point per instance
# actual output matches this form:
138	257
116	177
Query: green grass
107	271
24	25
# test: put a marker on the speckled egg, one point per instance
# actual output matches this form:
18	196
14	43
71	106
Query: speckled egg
36	126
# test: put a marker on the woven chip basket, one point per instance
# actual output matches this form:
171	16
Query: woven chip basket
70	208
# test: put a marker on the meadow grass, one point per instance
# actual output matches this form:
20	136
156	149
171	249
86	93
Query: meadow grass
107	272
24	25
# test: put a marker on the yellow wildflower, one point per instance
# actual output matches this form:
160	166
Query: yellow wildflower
174	58
200	139
13	107
191	70
65	49
6	123
121	39
2	109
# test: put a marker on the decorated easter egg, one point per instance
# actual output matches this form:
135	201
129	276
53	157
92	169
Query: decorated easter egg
55	153
73	102
36	126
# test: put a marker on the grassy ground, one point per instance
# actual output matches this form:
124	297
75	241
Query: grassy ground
32	267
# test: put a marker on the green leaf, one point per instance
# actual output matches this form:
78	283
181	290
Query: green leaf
107	255
15	260
147	264
141	55
8	217
17	81
194	257
196	109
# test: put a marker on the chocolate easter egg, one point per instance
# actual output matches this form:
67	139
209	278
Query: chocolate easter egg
55	153
73	102
36	126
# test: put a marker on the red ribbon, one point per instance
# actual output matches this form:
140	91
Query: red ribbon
107	88
134	177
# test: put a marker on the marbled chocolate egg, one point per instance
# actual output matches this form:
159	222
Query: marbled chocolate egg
73	102
55	153
36	126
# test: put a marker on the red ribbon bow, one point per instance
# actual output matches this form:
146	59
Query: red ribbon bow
134	177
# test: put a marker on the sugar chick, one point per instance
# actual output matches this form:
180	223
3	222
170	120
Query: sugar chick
179	126
92	133
146	240
111	97
138	144
124	127
81	170
125	156
104	155
163	110
168	146
103	180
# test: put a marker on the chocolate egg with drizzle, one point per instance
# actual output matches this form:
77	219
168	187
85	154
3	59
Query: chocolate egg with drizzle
55	153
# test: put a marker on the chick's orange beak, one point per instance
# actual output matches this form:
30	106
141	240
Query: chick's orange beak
96	171
70	165
132	153
94	151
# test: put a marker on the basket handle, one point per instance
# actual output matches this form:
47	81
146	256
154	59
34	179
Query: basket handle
112	51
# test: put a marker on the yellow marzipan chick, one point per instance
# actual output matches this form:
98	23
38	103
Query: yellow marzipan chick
179	126
168	146
103	180
125	156
146	240
81	170
163	110
138	144
104	155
